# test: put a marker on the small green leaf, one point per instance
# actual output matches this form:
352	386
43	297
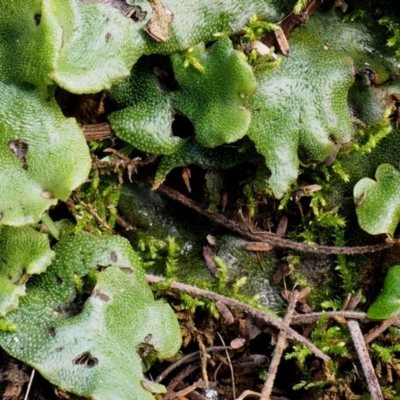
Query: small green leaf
378	202
146	121
23	252
93	343
43	155
214	87
387	303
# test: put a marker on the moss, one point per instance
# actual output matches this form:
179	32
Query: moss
157	217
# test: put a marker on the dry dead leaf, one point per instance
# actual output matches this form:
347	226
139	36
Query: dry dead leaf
160	20
258	246
186	175
209	255
225	312
282	226
279	274
282	42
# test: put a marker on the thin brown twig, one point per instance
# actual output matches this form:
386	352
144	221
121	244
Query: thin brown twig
28	389
188	358
377	330
203	360
365	360
248	393
279	348
197	292
303	319
230	367
187	390
352	302
267	237
346	302
178	378
194	395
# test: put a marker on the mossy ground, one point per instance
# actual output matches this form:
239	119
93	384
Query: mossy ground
233	182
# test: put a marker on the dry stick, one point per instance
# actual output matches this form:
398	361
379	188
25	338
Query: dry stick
178	379
248	393
346	303
303	319
188	390
230	367
188	358
365	360
266	237
377	330
197	292
203	360
28	389
279	348
194	395
353	302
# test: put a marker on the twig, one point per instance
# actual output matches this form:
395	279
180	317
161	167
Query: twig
197	292
352	302
365	360
187	390
248	393
303	319
377	330
279	348
196	395
28	389
230	367
175	382
203	360
266	237
188	358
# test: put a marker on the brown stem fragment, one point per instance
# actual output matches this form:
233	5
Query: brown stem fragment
187	390
100	131
365	360
309	318
248	393
187	359
279	348
259	236
377	330
178	379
